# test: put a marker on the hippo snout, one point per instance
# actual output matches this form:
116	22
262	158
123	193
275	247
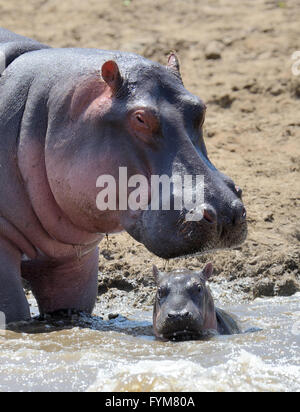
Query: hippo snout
236	216
185	320
182	325
173	234
239	213
217	221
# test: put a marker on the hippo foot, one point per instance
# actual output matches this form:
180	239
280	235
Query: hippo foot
13	303
62	314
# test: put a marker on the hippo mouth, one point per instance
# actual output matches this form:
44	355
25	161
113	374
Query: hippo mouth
168	235
185	335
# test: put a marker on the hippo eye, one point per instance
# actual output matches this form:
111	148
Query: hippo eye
162	292
140	119
144	124
145	120
199	287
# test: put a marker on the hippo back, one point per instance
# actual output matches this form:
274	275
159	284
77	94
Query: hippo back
13	45
227	325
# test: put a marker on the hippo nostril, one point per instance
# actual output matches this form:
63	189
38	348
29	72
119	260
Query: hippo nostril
209	216
186	314
179	315
239	213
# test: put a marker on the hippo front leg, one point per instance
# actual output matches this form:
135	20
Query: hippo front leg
71	285
13	302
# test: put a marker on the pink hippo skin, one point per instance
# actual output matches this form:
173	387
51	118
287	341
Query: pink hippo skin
68	116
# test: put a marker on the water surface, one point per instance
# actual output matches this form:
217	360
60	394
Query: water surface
122	354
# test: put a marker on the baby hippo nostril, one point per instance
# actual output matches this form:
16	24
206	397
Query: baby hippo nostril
178	315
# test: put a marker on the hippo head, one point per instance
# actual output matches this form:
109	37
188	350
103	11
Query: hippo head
184	308
139	119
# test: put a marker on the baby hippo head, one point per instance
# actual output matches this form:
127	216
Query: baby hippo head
184	308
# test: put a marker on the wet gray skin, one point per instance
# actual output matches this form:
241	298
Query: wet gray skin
184	308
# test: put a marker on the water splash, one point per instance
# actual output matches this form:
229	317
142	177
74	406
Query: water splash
95	354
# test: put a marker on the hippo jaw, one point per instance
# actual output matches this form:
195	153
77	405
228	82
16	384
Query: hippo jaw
169	235
184	335
188	335
180	331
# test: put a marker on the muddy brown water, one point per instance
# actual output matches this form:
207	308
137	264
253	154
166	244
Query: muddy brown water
122	355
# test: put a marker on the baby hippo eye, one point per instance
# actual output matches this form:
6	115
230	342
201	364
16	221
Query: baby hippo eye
162	292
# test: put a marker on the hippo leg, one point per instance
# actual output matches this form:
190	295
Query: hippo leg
13	302
69	285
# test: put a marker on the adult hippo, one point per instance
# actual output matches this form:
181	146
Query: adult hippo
68	116
184	308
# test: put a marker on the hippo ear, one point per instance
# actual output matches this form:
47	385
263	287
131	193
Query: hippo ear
208	271
111	75
173	64
156	274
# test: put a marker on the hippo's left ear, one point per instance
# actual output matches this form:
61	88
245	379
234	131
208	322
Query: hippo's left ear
111	75
173	64
208	271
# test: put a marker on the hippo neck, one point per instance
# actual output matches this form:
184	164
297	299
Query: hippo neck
19	222
59	233
226	324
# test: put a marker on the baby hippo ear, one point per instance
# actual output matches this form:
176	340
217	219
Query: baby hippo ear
111	75
156	274
208	271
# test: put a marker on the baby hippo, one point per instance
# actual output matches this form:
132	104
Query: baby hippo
184	308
